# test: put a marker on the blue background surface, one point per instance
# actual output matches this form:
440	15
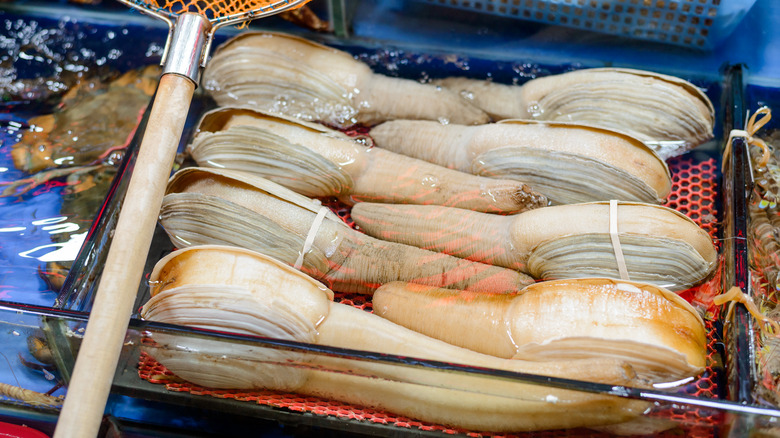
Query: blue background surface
755	41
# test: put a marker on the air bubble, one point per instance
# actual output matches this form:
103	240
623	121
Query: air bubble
430	181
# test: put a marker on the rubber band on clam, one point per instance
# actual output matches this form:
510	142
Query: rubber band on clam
234	203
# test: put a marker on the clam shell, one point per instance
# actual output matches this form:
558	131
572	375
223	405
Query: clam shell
252	149
233	290
565	178
291	75
210	206
667	113
676	264
652	328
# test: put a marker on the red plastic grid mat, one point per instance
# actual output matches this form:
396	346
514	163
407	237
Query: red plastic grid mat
694	192
692	422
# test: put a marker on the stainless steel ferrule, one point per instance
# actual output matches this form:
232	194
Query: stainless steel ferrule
190	33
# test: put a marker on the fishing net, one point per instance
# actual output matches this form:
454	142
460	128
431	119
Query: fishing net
217	10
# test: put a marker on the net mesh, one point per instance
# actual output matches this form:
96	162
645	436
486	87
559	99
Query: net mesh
215	10
694	192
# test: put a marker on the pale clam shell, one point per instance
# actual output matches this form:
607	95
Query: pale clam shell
291	75
669	114
652	328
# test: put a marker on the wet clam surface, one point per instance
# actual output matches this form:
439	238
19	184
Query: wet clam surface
48	223
38	223
49	65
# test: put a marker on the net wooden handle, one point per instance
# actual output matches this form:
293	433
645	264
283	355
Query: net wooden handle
105	333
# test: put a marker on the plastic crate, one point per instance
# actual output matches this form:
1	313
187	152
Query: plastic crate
693	23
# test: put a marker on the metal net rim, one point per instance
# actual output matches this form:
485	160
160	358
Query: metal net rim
219	13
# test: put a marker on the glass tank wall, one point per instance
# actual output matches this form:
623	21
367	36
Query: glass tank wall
61	201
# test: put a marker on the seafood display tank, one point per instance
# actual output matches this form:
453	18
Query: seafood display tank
77	79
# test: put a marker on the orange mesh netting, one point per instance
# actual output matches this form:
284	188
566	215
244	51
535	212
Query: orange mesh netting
219	8
693	422
694	193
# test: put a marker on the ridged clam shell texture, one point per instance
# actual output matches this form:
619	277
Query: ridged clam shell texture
229	207
659	245
316	161
237	290
294	76
667	113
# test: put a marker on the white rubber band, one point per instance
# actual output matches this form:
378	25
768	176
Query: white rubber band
727	149
754	124
737	133
315	226
613	235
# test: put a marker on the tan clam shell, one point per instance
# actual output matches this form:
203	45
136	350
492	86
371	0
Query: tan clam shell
669	114
240	291
655	330
288	74
660	245
221	206
208	287
320	162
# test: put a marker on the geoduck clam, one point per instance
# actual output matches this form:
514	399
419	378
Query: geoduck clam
319	162
235	290
658	245
294	76
669	114
569	163
220	206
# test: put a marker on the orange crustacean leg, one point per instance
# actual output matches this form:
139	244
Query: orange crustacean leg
25	185
735	295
